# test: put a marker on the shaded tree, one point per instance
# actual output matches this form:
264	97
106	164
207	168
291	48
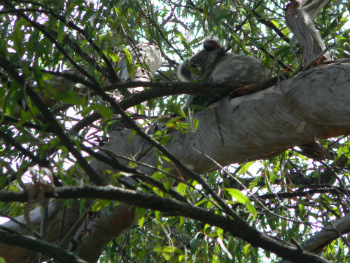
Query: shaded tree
93	120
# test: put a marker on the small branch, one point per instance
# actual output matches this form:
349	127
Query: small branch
271	25
301	193
23	150
39	246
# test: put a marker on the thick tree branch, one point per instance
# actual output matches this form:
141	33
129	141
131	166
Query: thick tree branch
176	208
297	111
159	89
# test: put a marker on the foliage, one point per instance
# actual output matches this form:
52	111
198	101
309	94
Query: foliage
288	196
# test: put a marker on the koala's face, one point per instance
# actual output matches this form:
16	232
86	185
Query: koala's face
202	62
197	63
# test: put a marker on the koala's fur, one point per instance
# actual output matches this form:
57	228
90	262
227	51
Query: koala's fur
213	64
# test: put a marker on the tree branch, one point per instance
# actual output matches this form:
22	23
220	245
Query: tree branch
300	15
177	208
39	246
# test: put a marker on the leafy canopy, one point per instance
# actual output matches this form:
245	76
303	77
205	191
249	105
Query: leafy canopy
40	40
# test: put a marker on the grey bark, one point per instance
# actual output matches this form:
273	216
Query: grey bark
300	16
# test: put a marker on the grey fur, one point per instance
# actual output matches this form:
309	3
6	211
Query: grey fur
213	64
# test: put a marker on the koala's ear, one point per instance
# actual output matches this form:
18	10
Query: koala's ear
211	44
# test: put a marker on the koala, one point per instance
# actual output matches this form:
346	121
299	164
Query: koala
214	64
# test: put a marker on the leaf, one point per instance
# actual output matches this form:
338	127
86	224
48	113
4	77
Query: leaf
243	199
239	42
141	221
118	11
245	167
181	188
168	249
128	59
18	35
246	249
140	215
103	110
194	245
251	209
158	216
114	57
274	22
60	32
158	175
167	184
69	97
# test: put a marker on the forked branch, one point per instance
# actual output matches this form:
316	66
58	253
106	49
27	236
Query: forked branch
300	15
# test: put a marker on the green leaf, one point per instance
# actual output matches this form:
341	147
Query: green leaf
114	57
239	42
140	215
158	216
245	167
327	198
274	22
60	32
181	188
246	249
158	175
251	209
167	184
243	199
129	65
69	97
118	11
141	221
18	36
194	245
103	110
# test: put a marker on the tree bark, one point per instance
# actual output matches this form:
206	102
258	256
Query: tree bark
296	111
300	15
